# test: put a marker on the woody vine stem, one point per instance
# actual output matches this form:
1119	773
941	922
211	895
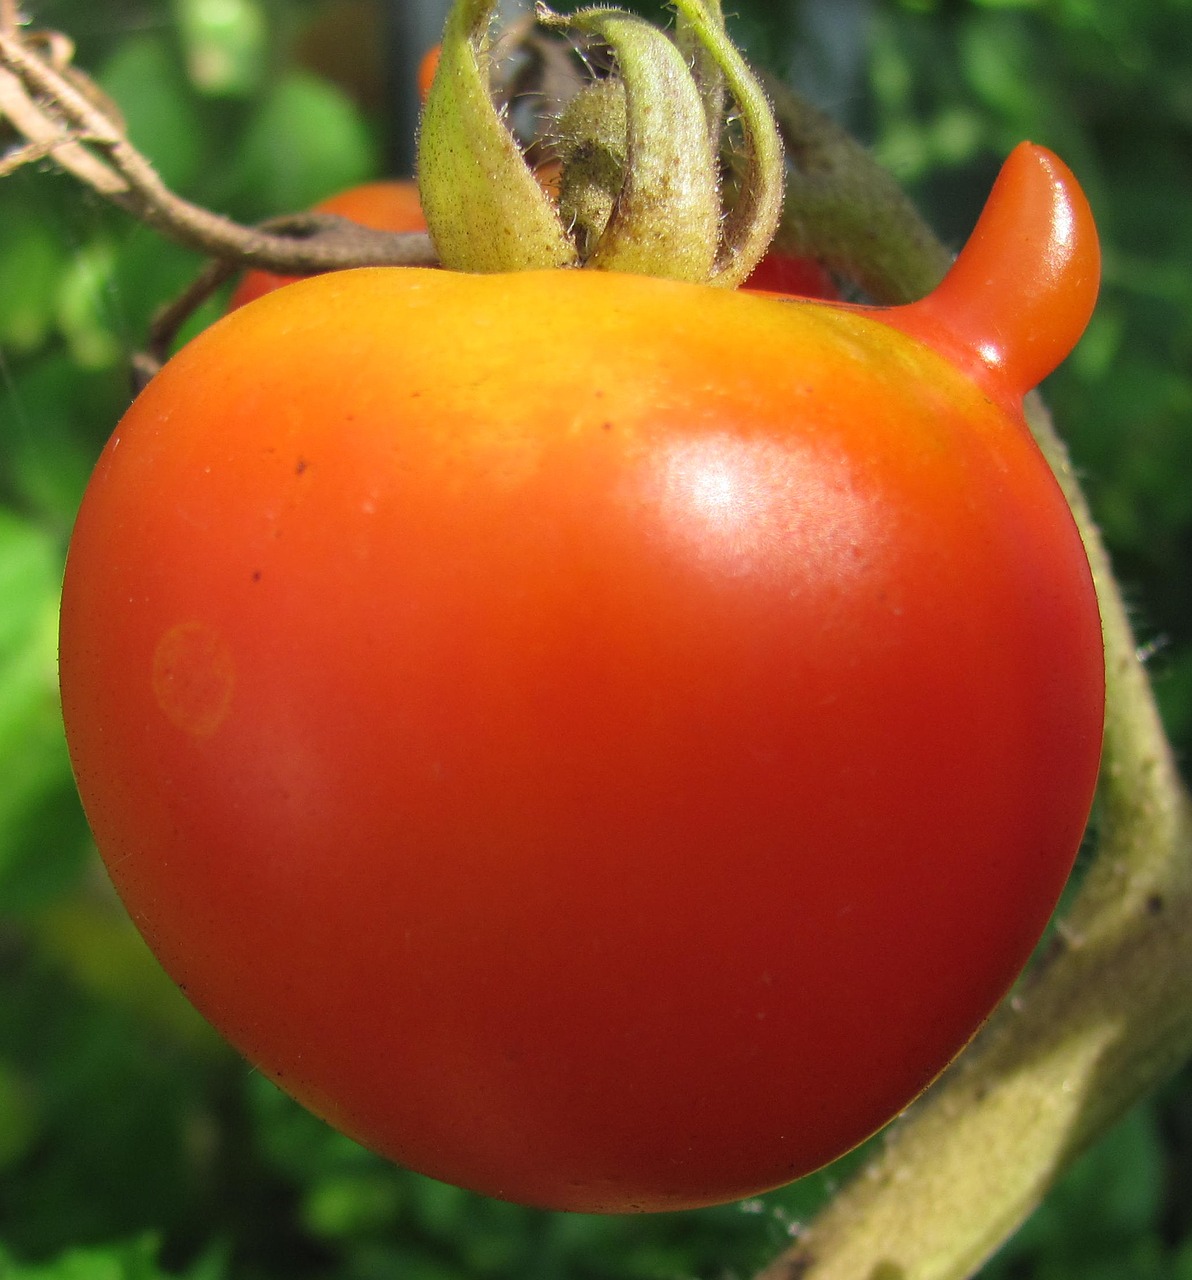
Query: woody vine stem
63	117
1106	1016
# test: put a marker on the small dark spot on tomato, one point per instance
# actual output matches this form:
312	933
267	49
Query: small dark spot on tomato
301	466
256	575
606	426
1155	904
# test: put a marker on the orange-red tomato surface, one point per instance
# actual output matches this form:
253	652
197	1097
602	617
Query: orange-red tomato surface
603	742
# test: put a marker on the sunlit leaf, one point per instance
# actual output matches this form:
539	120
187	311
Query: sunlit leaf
226	44
42	836
306	142
146	80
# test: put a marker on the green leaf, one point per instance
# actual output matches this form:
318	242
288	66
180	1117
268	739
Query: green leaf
56	418
1172	675
356	1203
19	1121
84	311
33	260
136	1260
226	43
42	836
147	82
306	142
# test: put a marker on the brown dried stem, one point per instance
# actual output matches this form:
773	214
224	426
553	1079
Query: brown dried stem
59	119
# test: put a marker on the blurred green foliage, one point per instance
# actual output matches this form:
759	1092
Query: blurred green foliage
133	1144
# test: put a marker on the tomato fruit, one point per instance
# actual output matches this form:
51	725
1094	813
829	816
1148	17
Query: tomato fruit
600	741
792	275
426	70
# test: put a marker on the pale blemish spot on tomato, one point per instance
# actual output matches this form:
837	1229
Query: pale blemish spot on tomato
193	677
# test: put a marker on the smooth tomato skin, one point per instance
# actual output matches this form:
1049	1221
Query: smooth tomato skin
601	742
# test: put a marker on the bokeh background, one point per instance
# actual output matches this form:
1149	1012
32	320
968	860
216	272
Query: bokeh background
133	1144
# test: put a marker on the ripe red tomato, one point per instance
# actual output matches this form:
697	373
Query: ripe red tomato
599	741
427	68
792	275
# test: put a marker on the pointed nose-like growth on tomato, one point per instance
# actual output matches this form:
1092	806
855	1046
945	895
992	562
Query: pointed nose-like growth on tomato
1023	288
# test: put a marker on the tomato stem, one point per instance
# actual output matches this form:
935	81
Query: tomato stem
61	116
845	211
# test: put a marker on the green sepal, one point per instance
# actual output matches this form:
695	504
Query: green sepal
750	223
665	219
484	208
592	152
641	186
704	67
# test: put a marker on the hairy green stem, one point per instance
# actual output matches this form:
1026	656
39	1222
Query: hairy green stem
846	211
1099	1021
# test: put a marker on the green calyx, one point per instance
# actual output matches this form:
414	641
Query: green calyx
483	206
641	154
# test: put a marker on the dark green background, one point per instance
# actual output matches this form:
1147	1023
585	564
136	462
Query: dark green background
132	1142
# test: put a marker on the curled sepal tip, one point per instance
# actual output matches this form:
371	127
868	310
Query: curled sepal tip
484	208
664	219
750	224
1022	290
